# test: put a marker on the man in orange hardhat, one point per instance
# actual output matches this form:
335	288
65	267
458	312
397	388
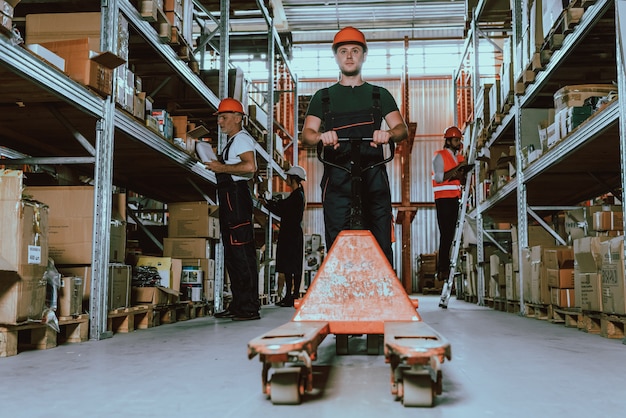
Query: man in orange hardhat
449	169
353	108
233	168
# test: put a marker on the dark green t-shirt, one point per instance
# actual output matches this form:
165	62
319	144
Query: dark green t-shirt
346	99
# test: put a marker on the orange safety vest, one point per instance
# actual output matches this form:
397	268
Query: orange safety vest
447	188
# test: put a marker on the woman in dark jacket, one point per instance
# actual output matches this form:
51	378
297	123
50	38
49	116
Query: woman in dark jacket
290	246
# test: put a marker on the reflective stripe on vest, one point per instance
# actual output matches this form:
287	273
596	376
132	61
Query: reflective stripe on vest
448	188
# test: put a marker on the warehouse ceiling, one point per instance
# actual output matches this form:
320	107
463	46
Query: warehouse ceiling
304	21
308	22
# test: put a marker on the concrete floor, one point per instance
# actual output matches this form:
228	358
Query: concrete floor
503	365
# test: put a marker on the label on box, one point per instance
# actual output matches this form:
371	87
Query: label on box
34	254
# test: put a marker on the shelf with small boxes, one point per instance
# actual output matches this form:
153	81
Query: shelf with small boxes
565	124
57	77
64	63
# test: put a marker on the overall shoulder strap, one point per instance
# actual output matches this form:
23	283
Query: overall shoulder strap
376	97
325	101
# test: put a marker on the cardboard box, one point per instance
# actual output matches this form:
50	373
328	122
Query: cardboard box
49	27
23	235
71	223
561	257
120	276
613	297
119	281
512	282
187	247
540	291
24	226
207	266
154	295
85	64
170	269
576	95
563	298
23	295
608	221
83	272
587	254
588	291
70	296
193	219
560	278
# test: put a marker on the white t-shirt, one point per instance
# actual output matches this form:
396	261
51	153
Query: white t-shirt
242	142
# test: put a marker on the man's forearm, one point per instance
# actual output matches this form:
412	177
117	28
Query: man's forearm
398	133
310	136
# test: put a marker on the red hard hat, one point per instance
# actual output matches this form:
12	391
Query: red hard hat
230	105
452	132
349	35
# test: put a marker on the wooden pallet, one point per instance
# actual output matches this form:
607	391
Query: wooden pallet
39	336
431	290
471	298
612	326
199	309
125	320
152	13
170	314
537	311
500	304
591	322
513	306
570	317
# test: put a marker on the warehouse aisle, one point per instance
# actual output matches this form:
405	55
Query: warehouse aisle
503	365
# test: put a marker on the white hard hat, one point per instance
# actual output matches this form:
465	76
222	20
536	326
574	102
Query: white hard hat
297	171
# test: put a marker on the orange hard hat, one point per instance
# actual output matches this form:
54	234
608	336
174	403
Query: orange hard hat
349	35
452	132
230	105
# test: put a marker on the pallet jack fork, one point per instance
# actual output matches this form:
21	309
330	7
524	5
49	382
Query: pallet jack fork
355	292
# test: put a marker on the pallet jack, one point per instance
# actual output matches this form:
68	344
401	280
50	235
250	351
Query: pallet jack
355	292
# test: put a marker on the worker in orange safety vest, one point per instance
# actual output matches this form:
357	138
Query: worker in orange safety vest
449	169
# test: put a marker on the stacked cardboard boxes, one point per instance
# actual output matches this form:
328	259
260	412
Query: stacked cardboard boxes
587	273
71	241
560	276
612	273
23	252
192	229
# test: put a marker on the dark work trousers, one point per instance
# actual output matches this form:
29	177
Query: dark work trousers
239	250
375	199
447	213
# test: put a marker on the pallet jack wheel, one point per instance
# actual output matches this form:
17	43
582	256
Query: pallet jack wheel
341	344
286	386
373	344
417	389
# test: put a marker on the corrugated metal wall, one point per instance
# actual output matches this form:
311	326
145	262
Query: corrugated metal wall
431	106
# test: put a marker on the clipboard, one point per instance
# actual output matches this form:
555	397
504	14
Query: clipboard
205	152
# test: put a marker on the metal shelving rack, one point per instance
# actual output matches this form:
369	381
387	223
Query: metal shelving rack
111	127
599	132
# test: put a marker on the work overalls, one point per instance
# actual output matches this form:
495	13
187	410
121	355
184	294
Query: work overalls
237	231
336	183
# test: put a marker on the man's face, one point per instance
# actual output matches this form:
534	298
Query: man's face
455	143
350	58
229	123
